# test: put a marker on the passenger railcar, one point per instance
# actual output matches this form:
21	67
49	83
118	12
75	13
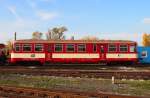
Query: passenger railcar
2	46
2	49
74	51
2	53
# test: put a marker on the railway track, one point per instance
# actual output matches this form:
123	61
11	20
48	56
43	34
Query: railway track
79	67
26	92
118	74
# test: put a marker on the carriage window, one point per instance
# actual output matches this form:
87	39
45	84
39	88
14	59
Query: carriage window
123	48
70	47
58	47
38	47
94	47
17	47
112	48
81	47
144	54
132	48
27	47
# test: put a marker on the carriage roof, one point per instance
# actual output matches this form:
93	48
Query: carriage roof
73	41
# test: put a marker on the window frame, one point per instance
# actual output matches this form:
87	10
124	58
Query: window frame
19	47
67	47
41	45
130	48
109	48
61	47
78	47
23	47
120	48
145	53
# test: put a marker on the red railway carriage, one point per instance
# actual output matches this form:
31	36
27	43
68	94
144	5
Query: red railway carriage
2	53
74	51
2	47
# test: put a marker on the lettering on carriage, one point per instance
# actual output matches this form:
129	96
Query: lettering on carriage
32	55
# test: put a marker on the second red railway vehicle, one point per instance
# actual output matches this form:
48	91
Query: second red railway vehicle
2	47
74	51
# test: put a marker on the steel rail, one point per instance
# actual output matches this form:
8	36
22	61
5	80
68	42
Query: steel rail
108	74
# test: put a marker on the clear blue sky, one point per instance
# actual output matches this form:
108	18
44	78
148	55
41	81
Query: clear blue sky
106	19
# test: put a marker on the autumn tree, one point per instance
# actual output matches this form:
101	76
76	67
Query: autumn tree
146	39
56	33
8	48
9	45
37	35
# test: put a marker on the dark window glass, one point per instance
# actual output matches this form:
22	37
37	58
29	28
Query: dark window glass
94	47
58	47
38	47
123	48
112	48
81	48
17	47
27	47
70	47
144	54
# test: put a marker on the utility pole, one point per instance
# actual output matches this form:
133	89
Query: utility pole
15	36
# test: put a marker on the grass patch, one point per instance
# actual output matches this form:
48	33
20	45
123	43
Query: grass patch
135	87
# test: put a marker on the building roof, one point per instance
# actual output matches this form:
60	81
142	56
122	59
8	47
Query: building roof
73	41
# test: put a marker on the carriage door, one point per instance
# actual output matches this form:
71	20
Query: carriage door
49	52
102	49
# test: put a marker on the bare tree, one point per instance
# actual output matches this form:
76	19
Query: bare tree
61	31
56	33
37	35
72	38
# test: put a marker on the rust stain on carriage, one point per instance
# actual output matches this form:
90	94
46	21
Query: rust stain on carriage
26	92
